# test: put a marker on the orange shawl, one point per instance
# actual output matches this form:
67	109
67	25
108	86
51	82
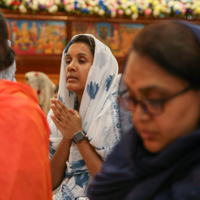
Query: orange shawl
24	142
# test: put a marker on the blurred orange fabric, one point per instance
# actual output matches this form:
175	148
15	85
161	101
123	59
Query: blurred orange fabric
24	145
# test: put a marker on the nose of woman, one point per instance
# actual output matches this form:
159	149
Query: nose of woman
140	114
71	66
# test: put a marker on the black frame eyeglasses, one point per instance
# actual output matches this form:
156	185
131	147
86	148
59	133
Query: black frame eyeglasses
152	107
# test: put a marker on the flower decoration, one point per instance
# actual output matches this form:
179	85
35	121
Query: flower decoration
110	8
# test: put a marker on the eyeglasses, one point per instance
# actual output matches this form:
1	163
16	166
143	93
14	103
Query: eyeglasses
152	107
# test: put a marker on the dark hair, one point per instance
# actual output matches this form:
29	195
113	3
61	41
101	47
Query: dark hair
56	89
173	47
6	53
84	39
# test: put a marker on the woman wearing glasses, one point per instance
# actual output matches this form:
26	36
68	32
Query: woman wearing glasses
159	158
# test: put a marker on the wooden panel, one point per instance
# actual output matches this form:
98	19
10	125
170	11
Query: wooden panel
20	77
47	64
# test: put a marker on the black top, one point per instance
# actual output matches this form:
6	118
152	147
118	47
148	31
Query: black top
132	173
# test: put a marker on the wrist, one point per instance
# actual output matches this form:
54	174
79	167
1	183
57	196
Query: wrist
79	136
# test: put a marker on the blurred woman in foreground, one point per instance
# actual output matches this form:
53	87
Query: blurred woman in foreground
159	158
24	132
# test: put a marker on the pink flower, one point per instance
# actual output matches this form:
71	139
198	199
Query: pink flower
65	2
142	2
114	9
120	12
148	11
114	3
183	10
71	7
50	3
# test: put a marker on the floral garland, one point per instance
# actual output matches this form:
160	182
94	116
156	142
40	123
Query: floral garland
110	8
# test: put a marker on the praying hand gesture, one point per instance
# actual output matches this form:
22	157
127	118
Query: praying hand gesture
67	121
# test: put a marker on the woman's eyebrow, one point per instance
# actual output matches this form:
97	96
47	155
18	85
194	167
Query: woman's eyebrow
82	54
79	54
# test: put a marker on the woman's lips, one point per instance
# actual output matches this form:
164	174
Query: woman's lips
147	135
71	78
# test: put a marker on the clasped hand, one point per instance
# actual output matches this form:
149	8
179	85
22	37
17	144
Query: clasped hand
67	121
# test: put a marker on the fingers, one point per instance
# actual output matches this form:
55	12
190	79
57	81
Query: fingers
72	111
57	122
59	104
57	110
77	113
64	108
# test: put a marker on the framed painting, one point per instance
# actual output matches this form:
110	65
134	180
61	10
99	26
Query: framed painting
84	27
37	37
116	36
127	33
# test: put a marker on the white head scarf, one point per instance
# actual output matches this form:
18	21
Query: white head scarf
9	73
98	109
43	86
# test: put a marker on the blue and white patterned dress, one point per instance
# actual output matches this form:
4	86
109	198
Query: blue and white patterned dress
100	120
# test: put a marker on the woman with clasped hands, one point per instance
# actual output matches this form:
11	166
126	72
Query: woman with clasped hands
85	124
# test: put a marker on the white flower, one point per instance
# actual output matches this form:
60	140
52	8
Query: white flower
90	8
155	13
128	11
163	2
167	10
34	6
117	6
124	6
105	3
67	8
78	5
144	5
134	16
129	3
188	5
57	2
101	12
43	2
81	1
109	7
177	6
96	9
83	6
171	3
113	14
93	3
22	9
8	2
192	6
53	9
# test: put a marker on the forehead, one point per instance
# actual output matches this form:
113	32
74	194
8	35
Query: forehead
143	72
79	47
